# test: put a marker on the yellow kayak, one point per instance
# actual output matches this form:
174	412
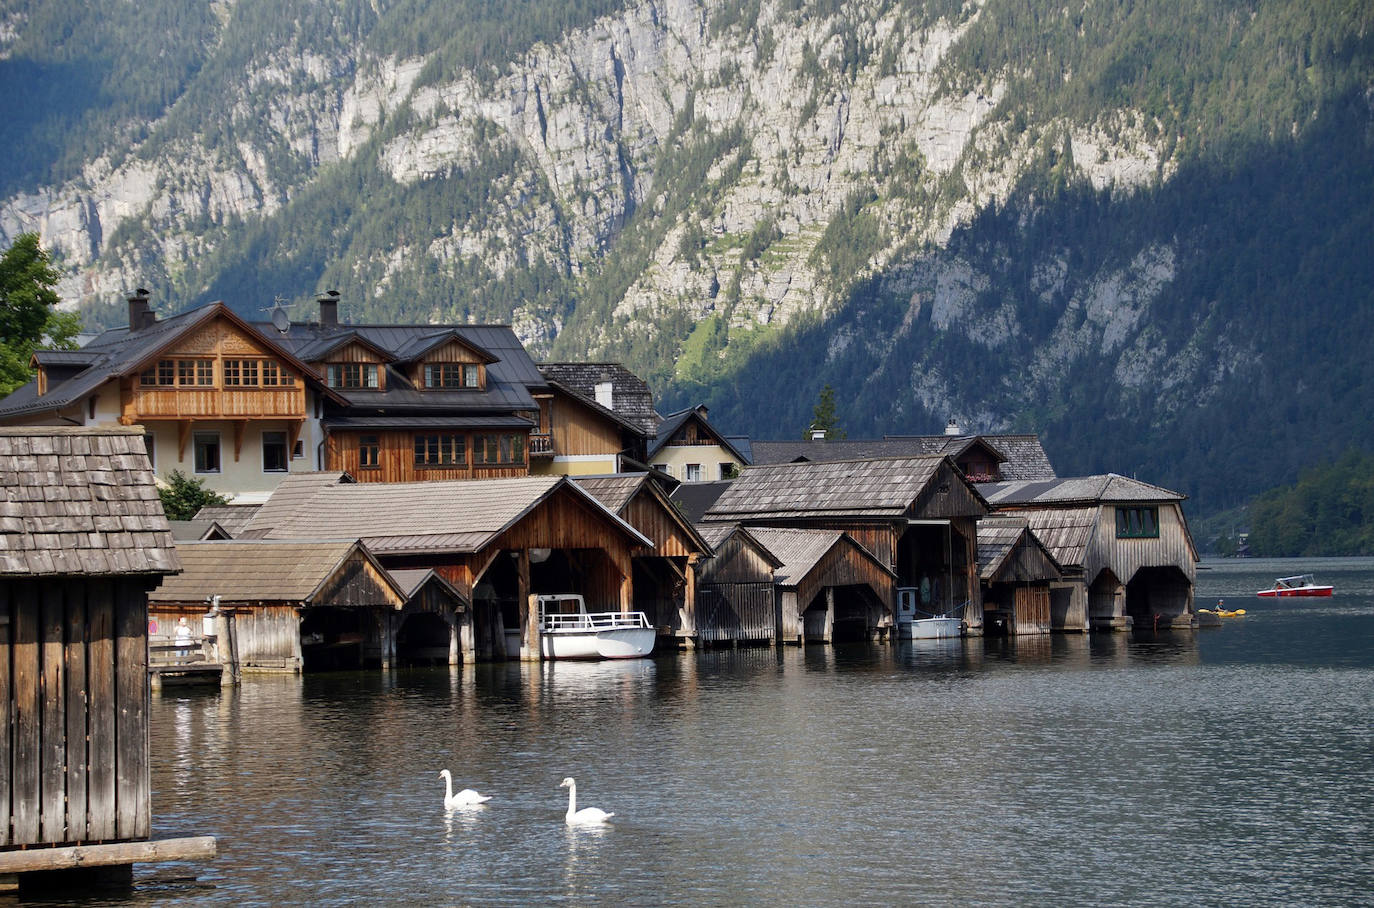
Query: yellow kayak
1224	612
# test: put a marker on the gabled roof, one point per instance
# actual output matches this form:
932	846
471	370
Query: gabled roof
258	570
418	346
80	501
631	399
448	516
412	580
801	550
717	534
232	517
120	352
619	419
615	491
321	347
675	421
998	537
854	488
197	530
1019	456
1107	487
511	373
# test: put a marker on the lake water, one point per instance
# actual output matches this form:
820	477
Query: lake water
1234	765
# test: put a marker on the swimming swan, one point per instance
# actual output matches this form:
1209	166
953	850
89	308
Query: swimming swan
465	798
587	816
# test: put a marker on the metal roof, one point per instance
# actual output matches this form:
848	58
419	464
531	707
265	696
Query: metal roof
1107	487
80	501
1020	456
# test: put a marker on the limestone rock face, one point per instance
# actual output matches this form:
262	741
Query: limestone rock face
822	132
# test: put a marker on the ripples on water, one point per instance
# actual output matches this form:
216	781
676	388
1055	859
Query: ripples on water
1230	766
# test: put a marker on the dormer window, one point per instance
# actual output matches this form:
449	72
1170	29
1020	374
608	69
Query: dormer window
452	375
351	375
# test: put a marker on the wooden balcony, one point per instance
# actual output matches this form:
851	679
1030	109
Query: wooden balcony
141	404
541	444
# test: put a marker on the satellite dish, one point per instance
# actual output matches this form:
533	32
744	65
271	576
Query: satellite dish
281	321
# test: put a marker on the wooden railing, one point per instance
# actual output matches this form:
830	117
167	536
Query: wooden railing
541	444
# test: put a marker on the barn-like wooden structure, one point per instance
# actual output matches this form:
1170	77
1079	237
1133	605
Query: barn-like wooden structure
735	601
1017	572
297	606
83	538
917	515
498	542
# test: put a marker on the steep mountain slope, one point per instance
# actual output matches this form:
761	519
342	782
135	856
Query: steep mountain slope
1140	229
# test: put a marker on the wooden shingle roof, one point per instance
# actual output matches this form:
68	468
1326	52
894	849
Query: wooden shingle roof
1065	532
798	550
256	570
998	537
632	401
858	488
409	517
82	502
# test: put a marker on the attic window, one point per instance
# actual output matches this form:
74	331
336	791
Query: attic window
351	375
452	375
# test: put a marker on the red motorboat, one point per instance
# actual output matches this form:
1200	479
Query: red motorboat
1299	585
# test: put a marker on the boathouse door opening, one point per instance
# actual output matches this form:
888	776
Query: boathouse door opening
333	638
423	639
1159	596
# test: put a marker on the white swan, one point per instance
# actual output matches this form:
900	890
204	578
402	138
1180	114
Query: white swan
465	798
587	816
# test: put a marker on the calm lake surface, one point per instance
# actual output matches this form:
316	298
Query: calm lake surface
1234	765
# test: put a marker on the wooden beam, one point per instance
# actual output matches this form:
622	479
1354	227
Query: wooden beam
183	436
239	426
194	848
293	435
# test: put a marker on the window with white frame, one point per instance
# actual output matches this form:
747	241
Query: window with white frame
693	472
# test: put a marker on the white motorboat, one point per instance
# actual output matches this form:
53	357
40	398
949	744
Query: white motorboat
914	624
933	628
568	631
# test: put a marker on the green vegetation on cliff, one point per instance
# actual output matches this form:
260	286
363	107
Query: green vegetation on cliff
1330	511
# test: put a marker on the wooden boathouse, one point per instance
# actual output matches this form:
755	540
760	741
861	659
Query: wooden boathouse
82	539
296	606
1017	572
498	543
665	581
735	601
825	582
1125	543
917	515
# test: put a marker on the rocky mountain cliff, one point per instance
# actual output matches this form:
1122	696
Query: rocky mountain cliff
1141	230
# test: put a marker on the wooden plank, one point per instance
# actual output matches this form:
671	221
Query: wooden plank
27	713
100	671
132	781
78	706
6	713
53	776
193	848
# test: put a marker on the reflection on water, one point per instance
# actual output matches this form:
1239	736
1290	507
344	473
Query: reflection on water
1026	769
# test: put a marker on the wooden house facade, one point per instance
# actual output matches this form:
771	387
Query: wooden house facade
1017	574
917	515
688	448
1126	543
497	543
82	540
664	581
240	405
296	606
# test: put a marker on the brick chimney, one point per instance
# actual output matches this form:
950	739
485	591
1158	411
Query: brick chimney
329	308
140	315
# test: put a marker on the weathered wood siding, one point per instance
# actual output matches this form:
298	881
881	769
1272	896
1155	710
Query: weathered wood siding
731	612
1173	547
396	456
1030	610
844	565
358	583
74	700
946	495
269	636
651	517
577	430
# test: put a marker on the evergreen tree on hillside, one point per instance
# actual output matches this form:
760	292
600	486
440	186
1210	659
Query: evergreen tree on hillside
823	418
